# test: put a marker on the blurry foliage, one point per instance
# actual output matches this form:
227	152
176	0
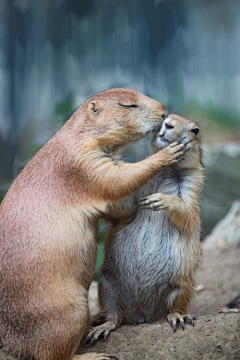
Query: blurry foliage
223	117
64	109
217	124
2	194
33	148
102	227
3	190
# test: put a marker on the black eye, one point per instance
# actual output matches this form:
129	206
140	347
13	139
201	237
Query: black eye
195	130
169	126
127	104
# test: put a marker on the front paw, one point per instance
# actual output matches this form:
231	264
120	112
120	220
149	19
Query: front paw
101	330
154	202
174	152
173	318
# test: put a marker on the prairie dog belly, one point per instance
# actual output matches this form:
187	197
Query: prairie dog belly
151	257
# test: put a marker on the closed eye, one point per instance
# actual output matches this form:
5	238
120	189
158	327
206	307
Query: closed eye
169	126
127	104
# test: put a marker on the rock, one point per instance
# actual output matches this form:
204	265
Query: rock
219	273
199	288
227	231
221	186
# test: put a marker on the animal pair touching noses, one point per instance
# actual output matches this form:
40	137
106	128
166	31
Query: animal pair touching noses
49	219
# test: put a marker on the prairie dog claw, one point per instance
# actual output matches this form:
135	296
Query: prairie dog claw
174	318
95	332
154	202
174	152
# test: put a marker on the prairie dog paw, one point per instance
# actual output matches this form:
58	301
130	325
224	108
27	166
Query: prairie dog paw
95	332
173	318
154	202
175	151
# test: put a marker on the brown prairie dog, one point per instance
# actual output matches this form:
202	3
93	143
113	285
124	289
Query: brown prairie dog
49	217
151	256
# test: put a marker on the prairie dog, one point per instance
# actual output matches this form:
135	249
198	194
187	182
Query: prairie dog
151	256
49	217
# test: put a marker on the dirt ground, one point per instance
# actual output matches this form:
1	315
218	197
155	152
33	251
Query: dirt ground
219	273
215	336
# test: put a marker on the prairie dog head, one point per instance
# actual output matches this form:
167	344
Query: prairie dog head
117	117
174	128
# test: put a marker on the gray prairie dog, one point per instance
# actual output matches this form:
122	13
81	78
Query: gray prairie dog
49	217
151	256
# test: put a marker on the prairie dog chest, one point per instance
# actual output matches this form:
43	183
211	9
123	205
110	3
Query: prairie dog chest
154	238
166	182
151	232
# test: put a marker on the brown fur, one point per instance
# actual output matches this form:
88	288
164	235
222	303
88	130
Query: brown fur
151	257
49	217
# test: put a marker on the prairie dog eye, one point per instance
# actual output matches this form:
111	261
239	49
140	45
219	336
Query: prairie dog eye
195	130
127	104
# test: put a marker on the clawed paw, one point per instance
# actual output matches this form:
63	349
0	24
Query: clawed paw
153	202
94	333
177	149
174	318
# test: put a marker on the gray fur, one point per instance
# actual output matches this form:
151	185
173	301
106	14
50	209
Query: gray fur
144	258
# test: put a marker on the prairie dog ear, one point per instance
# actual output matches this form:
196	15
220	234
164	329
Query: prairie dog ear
94	107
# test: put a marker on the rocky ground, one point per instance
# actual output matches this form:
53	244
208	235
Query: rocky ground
213	337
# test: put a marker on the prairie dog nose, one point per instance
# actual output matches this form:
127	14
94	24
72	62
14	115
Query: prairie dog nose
165	126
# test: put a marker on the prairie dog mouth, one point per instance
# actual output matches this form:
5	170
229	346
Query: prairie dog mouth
164	141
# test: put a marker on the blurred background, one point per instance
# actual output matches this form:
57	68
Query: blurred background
184	53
